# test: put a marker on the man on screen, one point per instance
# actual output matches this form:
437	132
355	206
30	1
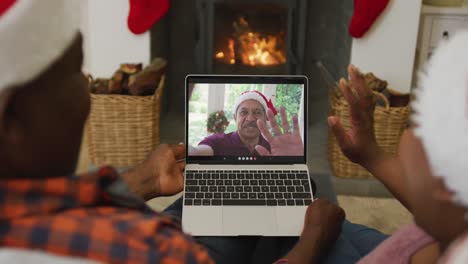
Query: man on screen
251	110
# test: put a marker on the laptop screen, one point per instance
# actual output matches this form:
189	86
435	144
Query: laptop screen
246	119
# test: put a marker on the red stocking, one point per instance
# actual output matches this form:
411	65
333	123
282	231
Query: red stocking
5	5
144	13
364	16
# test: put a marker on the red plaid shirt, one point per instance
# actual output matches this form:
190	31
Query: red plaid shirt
85	217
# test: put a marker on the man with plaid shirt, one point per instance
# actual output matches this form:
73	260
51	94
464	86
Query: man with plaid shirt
102	216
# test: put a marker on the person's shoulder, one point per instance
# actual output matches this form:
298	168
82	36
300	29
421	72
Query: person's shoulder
217	137
221	135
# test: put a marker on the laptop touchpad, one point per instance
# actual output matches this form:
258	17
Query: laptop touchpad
244	220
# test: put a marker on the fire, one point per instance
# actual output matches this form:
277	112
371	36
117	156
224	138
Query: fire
251	47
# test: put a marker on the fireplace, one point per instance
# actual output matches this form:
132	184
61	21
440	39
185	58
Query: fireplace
250	37
192	34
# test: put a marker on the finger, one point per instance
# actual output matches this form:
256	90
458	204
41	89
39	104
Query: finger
264	130
273	123
181	166
348	93
262	150
339	132
359	83
314	206
178	174
352	99
178	183
284	120
178	150
296	125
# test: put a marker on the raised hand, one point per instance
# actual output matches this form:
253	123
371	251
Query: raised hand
287	143
359	143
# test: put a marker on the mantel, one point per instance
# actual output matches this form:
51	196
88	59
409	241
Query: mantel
437	10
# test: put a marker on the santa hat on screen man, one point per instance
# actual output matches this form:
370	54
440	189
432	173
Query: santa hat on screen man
34	34
441	114
257	96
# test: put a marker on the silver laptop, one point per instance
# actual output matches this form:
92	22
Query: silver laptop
246	172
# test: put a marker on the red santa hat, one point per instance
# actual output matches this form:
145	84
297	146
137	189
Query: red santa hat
34	34
257	96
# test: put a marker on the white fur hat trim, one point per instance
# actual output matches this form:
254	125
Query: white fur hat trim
249	95
441	114
34	34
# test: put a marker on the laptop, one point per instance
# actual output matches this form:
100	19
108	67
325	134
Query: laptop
238	180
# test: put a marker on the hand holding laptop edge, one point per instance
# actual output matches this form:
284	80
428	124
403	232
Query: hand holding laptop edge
322	226
161	174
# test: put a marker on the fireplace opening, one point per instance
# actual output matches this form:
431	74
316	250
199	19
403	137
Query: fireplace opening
250	37
193	32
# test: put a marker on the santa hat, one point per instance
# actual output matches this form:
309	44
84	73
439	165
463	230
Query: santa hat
34	34
457	253
441	114
257	96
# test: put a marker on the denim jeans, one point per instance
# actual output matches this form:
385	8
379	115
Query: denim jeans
355	242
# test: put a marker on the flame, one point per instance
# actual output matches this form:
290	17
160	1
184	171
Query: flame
231	51
253	48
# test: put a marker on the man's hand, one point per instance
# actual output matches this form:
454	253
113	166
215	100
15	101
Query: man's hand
322	226
160	174
288	143
359	143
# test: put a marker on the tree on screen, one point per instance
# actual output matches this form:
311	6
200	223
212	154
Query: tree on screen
288	96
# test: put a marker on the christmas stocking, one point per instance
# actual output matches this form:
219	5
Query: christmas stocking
365	14
144	13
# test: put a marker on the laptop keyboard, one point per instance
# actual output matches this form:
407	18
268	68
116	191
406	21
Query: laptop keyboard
247	187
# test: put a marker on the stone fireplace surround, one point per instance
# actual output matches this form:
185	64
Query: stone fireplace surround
325	38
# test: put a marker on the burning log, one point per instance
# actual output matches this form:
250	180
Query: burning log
251	48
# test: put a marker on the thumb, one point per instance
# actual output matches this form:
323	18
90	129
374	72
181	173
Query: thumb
178	150
262	150
339	131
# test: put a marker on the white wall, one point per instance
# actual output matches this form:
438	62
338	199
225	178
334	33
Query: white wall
107	40
216	97
389	48
269	90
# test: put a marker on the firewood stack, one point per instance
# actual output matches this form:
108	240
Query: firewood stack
131	79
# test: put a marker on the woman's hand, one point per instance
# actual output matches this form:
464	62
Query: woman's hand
359	143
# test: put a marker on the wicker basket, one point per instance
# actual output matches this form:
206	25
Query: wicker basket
123	129
389	124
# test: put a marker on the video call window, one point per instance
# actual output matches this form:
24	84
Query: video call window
224	116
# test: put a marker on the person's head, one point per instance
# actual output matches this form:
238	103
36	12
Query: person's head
249	107
434	152
44	100
246	118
